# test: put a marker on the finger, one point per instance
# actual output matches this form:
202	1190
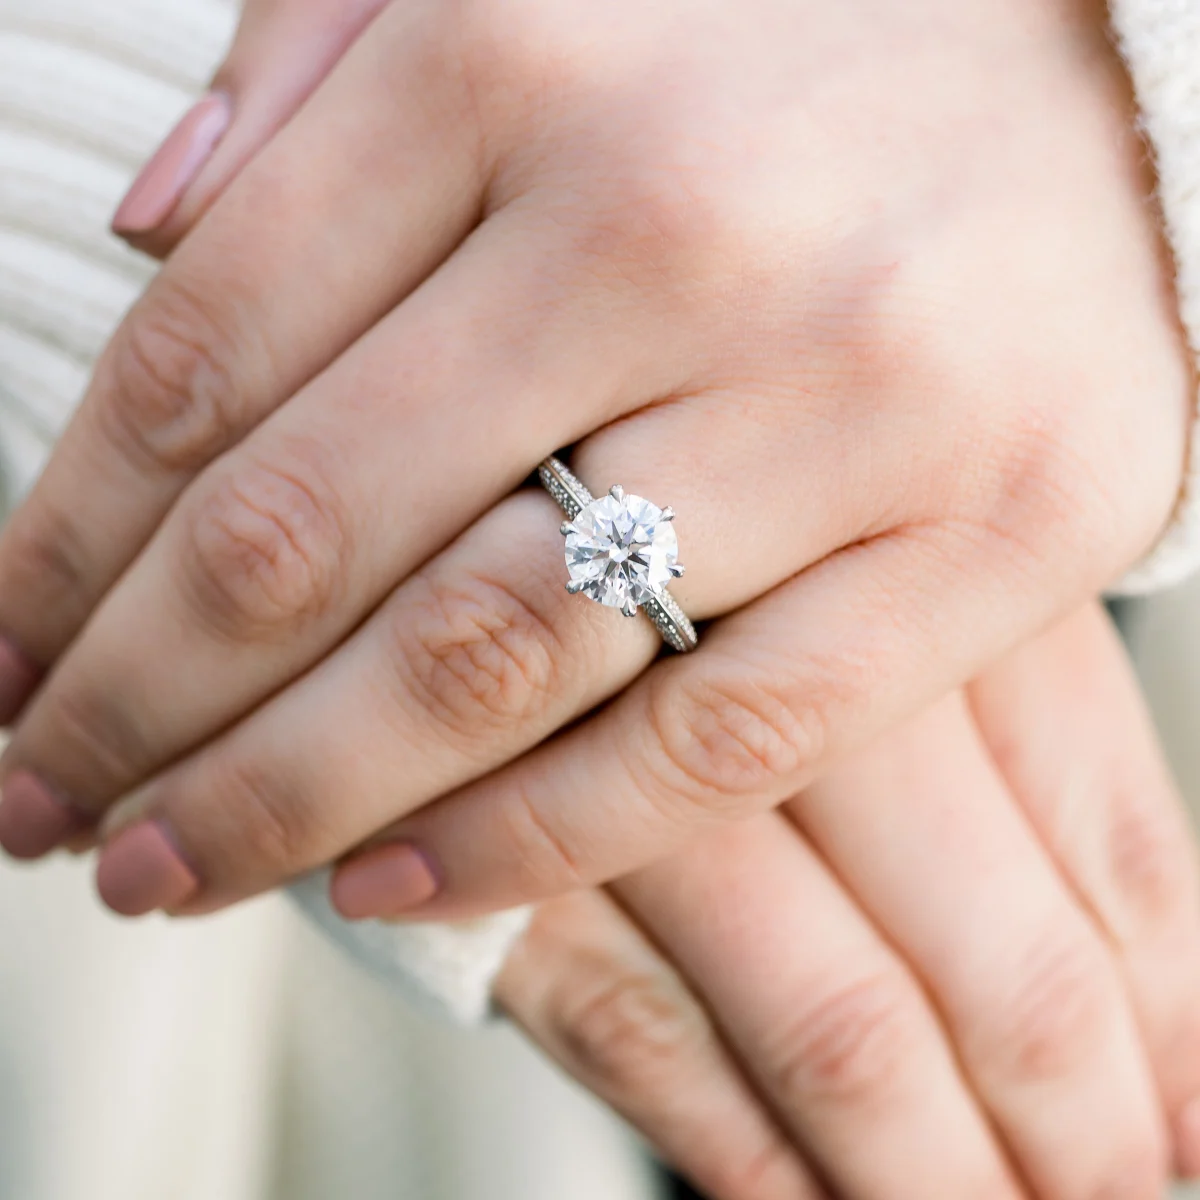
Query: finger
505	660
775	694
258	301
279	550
924	834
475	658
282	50
472	661
595	994
1067	728
827	1021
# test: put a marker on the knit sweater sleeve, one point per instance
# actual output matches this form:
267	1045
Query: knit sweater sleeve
1160	41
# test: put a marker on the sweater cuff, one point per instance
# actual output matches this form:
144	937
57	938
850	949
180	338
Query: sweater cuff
1160	42
444	970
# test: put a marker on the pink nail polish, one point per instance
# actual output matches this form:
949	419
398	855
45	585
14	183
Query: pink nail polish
141	870
1187	1140
34	819
19	677
164	179
386	881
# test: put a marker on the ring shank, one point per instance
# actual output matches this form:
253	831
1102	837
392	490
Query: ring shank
572	497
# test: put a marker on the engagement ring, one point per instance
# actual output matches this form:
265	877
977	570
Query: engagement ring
621	552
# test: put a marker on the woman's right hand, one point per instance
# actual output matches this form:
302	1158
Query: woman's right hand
960	966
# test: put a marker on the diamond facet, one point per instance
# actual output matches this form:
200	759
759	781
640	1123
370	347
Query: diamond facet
621	549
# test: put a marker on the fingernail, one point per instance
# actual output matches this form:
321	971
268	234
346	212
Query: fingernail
1187	1140
19	677
164	179
386	881
141	870
34	819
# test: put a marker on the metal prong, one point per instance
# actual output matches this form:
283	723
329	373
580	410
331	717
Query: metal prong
668	513
617	492
629	608
677	570
565	528
575	586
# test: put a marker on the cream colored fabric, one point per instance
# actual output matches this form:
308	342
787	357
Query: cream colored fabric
240	1057
1161	43
445	971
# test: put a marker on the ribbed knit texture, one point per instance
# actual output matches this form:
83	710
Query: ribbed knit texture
1161	43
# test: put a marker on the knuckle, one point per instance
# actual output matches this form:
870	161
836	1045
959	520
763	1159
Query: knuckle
851	1045
269	828
1047	490
98	744
548	864
669	239
763	1170
1045	497
868	331
729	743
479	653
634	1033
1151	857
1054	1012
266	550
173	399
46	555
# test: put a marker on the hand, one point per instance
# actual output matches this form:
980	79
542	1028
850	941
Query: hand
949	969
912	395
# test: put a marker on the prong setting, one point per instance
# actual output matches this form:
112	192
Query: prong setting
677	570
621	552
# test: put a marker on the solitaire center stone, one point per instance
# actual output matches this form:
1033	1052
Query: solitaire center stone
621	550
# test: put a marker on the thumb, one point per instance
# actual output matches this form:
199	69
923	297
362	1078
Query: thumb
282	51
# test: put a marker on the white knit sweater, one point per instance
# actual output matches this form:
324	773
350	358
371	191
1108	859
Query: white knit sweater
67	153
1161	43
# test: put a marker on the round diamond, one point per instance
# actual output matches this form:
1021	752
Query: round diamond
621	550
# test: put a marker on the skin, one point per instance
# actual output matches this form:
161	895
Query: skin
873	296
975	1056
